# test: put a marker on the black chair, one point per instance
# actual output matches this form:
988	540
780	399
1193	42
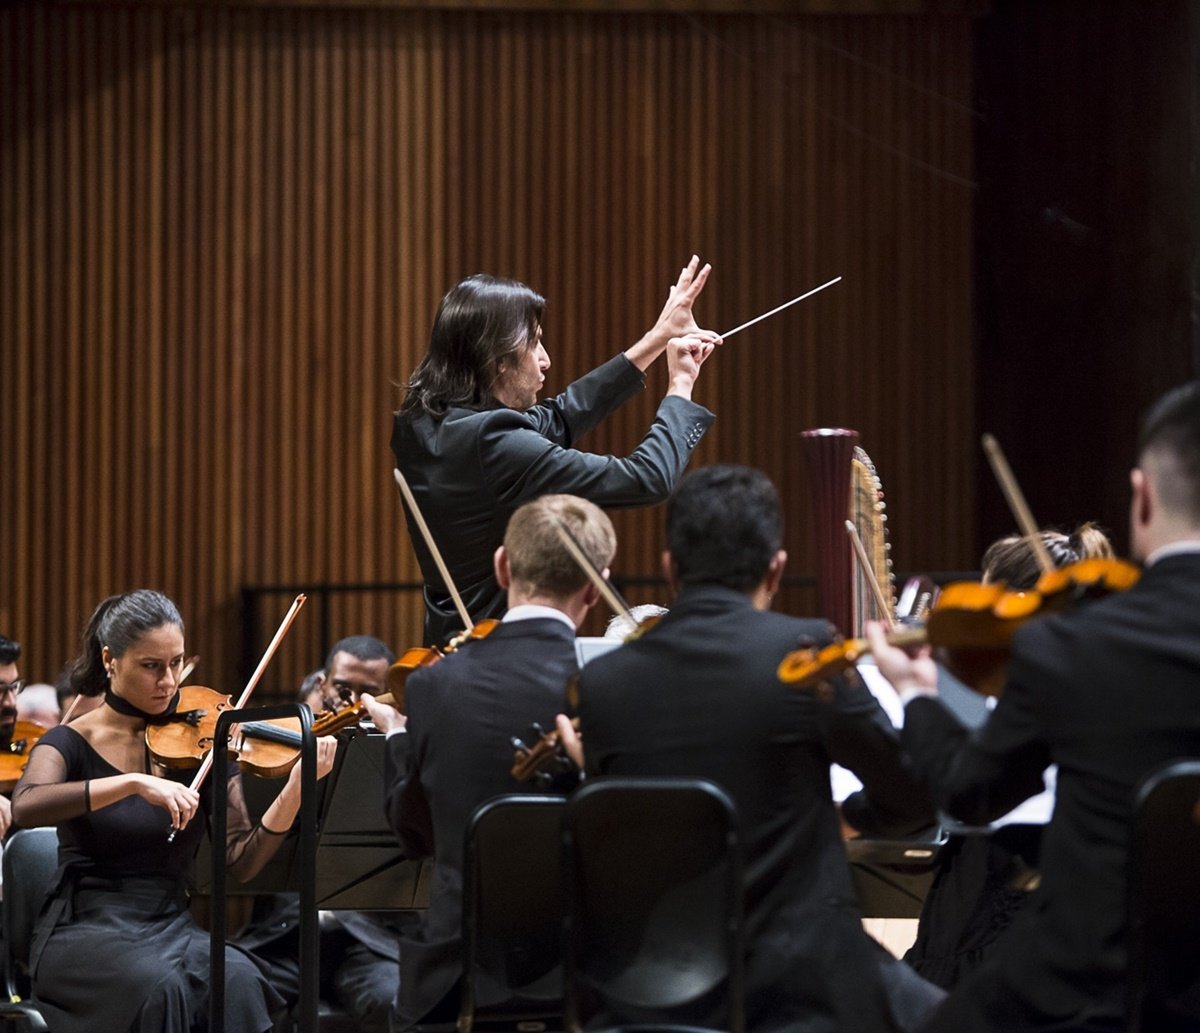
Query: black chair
29	863
1164	905
512	915
654	905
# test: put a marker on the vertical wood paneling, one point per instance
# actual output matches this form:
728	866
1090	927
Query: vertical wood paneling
225	233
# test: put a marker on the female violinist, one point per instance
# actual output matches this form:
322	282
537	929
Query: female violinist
115	947
983	881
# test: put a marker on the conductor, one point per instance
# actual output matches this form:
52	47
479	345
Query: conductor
474	443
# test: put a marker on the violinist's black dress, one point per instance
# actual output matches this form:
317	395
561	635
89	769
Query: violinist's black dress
115	947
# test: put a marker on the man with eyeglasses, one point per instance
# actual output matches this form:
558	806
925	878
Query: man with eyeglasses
10	685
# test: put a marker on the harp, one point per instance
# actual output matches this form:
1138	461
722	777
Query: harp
845	486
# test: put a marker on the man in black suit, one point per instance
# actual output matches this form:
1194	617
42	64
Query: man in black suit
1109	693
698	695
454	752
474	445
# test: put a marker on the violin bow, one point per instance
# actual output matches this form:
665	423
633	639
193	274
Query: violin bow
189	666
411	502
864	562
1016	502
251	685
597	578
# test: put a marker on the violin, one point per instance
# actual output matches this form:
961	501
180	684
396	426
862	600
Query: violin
183	750
426	656
184	741
14	753
544	759
972	625
267	749
270	748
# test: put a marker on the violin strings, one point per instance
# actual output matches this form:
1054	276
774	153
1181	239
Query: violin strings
780	308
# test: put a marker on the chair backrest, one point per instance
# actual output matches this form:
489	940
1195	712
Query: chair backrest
29	863
512	909
654	903
1164	905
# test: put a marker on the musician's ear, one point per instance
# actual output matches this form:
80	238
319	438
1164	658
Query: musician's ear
502	567
775	571
670	571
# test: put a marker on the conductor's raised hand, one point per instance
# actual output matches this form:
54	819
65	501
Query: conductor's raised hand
685	356
676	318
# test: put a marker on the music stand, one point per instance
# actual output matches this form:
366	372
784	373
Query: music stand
357	863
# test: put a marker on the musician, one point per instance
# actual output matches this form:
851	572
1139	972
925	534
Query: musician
461	713
698	695
10	687
474	444
1108	693
312	692
983	881
115	947
355	665
359	950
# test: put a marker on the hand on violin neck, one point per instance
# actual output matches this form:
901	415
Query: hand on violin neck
915	673
386	718
279	816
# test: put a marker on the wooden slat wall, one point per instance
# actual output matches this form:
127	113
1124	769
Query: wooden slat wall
224	235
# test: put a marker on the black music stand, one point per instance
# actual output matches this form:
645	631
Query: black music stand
357	863
307	820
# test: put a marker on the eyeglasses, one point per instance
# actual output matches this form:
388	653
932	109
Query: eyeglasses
12	686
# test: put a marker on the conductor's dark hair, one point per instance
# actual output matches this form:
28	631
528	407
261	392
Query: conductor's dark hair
724	526
361	647
118	623
10	651
480	323
1169	445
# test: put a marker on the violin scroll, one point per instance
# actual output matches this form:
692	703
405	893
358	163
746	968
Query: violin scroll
14	754
543	762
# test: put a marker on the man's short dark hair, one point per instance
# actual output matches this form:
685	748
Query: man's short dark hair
10	651
361	647
724	526
1169	445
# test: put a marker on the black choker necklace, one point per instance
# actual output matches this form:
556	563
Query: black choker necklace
122	706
